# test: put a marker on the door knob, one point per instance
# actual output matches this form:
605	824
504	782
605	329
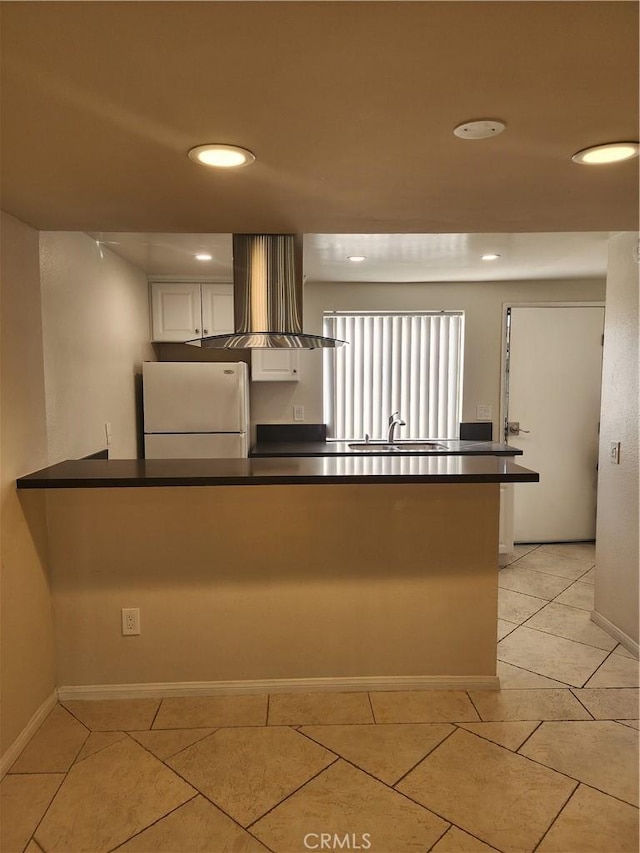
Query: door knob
514	428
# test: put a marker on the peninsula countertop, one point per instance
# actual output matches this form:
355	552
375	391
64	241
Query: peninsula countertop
448	447
287	470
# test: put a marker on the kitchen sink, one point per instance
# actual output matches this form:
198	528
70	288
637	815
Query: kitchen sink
376	446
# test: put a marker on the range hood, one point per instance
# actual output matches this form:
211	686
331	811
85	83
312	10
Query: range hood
267	296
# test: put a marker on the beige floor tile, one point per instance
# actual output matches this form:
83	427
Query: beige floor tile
511	735
514	677
493	793
346	802
579	594
561	565
543	704
601	754
592	822
98	741
572	623
54	746
23	801
546	654
386	752
166	742
631	723
456	841
247	771
108	715
516	607
422	706
589	577
505	628
196	827
579	550
310	709
518	578
609	703
109	797
211	712
620	650
616	671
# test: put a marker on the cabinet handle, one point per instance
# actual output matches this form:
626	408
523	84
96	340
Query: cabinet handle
206	331
196	331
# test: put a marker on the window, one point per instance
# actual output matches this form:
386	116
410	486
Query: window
410	362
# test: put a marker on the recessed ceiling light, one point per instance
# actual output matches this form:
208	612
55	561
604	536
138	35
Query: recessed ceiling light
203	256
612	152
357	259
481	129
221	156
490	256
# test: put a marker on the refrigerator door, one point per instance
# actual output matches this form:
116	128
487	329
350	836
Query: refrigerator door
196	446
196	396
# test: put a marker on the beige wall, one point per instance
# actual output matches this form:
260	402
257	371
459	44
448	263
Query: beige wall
96	336
482	303
228	590
616	592
27	634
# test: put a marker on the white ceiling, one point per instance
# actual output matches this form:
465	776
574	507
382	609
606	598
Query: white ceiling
389	257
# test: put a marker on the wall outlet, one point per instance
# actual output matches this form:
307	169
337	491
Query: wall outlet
614	452
298	413
107	433
130	621
484	413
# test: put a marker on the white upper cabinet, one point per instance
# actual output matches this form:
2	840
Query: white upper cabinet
275	365
217	309
181	311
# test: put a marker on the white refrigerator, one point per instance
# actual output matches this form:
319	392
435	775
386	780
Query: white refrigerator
195	410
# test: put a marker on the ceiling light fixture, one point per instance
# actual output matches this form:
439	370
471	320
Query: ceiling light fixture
611	152
203	256
490	256
481	129
357	259
221	156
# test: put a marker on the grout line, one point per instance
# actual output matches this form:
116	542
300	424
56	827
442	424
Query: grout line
373	713
600	665
517	751
556	818
266	719
479	720
433	748
573	691
155	715
561	636
153	823
562	685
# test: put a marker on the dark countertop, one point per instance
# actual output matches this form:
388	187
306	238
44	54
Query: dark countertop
400	468
341	448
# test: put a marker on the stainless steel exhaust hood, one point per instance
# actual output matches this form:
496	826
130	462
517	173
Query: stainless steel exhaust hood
267	285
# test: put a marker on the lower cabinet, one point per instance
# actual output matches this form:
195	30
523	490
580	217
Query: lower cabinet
275	365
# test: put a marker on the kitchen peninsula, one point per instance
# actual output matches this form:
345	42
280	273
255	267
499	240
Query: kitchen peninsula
370	572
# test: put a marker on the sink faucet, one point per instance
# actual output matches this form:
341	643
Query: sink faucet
394	421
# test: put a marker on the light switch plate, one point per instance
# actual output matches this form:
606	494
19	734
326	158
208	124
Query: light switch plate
484	413
298	413
614	452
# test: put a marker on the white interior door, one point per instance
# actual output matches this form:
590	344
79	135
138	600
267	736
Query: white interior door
554	378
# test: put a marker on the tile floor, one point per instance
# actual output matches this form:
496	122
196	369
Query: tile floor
547	764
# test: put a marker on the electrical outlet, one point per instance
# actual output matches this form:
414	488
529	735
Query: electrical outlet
130	621
298	413
483	413
614	452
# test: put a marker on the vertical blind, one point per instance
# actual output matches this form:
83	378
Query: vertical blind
411	363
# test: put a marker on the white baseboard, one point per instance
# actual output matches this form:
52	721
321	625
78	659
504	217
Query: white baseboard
611	629
27	733
278	685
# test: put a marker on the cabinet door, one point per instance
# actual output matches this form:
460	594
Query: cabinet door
175	311
275	365
217	309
